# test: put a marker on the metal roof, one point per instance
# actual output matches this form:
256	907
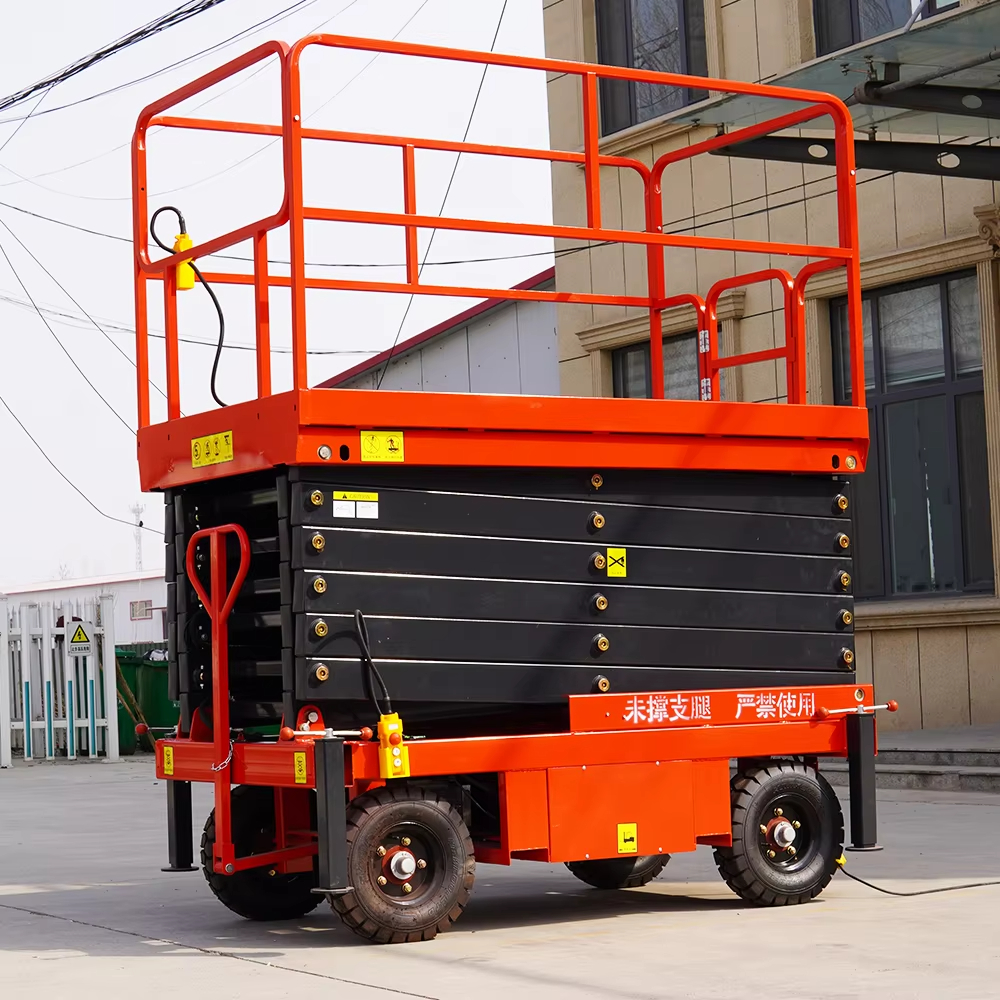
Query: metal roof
930	50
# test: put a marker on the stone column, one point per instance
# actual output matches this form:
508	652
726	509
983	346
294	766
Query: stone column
988	278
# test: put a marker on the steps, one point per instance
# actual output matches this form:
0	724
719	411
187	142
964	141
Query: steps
928	770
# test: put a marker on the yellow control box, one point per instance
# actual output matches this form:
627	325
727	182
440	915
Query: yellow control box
393	755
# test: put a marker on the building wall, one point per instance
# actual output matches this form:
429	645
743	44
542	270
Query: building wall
147	587
938	656
509	350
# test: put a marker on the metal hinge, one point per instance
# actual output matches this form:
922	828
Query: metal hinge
706	388
703	341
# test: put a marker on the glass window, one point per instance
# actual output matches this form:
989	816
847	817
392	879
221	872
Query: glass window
630	366
912	336
662	36
841	23
922	511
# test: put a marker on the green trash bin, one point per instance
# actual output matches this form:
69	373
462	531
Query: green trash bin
154	703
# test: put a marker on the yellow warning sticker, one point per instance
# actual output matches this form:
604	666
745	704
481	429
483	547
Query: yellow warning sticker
628	838
168	760
300	767
616	562
381	446
349	495
212	449
79	635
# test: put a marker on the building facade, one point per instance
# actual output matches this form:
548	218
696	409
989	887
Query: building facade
497	346
927	554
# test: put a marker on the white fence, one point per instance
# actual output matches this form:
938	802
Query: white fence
54	702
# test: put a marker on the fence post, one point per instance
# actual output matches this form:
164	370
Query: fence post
69	679
107	606
48	623
6	679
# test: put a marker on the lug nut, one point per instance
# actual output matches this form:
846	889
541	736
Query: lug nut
382	880
318	542
843	541
841	502
791	850
597	521
599	602
405	841
407	887
601	643
319	585
380	851
597	480
316	498
421	863
796	824
779	811
771	854
598	561
321	628
846	617
763	829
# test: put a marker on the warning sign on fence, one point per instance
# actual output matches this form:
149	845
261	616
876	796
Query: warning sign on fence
81	642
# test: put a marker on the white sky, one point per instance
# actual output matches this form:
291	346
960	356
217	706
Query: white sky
47	529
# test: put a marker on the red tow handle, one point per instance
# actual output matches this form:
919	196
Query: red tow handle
218	608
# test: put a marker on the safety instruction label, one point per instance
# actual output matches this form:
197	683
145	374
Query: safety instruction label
616	562
628	838
212	449
382	446
168	760
351	503
300	767
81	642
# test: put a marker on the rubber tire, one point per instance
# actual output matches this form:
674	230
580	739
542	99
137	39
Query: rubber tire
619	873
746	868
254	893
365	909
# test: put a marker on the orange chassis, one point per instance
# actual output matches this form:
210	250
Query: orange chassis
659	763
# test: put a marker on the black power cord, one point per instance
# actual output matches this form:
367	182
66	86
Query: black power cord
919	892
361	633
201	278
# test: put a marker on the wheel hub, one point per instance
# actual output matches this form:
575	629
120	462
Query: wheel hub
402	865
782	834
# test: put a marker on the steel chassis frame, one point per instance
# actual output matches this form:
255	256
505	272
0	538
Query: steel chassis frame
532	769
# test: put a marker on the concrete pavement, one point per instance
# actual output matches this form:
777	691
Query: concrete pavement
86	913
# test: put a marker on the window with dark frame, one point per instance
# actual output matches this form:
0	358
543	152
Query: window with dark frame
664	36
631	369
842	23
922	507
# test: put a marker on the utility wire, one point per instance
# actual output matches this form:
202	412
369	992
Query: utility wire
65	478
55	337
920	892
66	292
174	17
271	142
444	200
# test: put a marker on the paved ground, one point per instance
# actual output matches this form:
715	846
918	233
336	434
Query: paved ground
85	913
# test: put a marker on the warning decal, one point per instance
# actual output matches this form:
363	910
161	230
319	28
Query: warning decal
628	838
168	760
212	449
351	503
300	768
382	446
81	642
616	562
79	635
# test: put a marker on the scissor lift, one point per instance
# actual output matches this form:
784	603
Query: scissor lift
584	609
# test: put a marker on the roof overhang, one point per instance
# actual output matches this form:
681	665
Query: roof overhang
940	78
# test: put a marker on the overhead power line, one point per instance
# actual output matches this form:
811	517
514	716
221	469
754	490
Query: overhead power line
178	15
69	482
